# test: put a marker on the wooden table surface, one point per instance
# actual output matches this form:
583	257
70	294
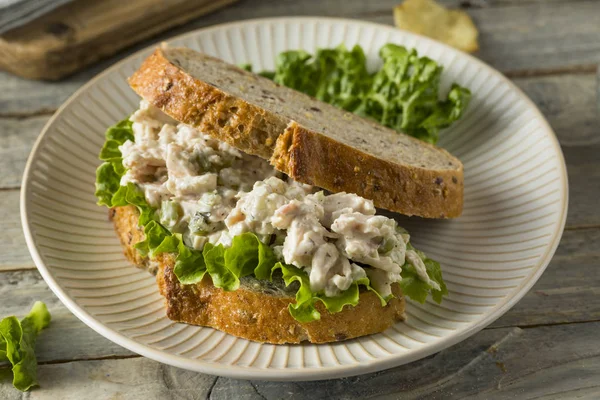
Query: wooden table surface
547	346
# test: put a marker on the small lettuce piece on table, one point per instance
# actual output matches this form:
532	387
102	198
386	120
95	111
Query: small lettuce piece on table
403	94
3	349
17	344
415	288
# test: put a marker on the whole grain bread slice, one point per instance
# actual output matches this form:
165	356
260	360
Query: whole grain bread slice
258	310
310	141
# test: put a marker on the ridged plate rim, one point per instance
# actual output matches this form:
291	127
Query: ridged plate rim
304	373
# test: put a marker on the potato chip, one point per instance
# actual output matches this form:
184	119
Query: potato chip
428	18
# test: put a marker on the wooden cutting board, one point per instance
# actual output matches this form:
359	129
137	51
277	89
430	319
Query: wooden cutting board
85	31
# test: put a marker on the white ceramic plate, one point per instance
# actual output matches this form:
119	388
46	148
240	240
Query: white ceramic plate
515	209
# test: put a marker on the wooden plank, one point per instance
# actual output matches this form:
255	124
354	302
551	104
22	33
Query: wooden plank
18	136
21	97
569	104
80	33
133	379
560	361
558	37
67	338
14	250
569	289
557	362
584	185
467	4
548	37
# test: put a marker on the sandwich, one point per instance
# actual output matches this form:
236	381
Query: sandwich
257	206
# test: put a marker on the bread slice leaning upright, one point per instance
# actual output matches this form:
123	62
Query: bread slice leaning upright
311	141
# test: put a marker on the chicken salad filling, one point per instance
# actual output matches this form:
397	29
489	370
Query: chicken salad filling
197	195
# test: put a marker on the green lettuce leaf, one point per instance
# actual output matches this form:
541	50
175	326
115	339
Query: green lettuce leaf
295	71
107	183
190	267
266	74
335	304
11	332
248	255
304	309
403	94
222	277
266	260
446	113
122	131
417	289
131	194
169	244
242	257
383	300
18	344
3	356
108	175
110	151
343	77
157	240
245	67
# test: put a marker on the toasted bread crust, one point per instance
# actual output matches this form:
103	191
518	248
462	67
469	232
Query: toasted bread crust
343	168
125	220
204	106
305	155
252	314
